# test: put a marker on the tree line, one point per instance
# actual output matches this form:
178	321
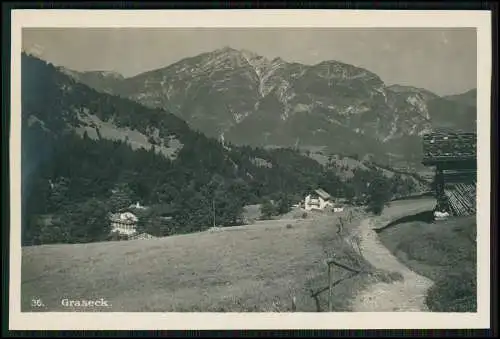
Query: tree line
84	180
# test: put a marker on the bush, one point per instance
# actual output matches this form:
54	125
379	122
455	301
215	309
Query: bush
375	207
379	195
456	293
268	209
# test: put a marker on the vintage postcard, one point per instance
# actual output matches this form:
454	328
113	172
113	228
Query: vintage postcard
250	169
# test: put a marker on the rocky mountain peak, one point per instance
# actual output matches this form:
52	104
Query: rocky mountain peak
255	100
108	74
402	89
226	49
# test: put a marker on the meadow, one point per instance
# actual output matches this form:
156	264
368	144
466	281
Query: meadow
443	251
268	266
254	268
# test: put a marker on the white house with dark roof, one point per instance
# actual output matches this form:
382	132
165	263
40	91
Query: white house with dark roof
124	223
318	199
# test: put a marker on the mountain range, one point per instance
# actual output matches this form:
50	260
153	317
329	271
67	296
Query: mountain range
247	99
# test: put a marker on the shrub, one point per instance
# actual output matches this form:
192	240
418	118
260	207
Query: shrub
379	195
268	209
375	207
456	293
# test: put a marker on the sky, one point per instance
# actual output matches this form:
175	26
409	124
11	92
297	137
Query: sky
440	60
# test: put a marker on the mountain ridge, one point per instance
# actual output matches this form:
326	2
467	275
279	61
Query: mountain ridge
246	98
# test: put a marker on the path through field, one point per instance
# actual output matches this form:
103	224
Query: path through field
407	295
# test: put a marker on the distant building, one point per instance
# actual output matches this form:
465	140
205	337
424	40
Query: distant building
453	155
137	206
317	200
124	223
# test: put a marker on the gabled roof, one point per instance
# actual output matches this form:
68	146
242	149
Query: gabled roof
322	193
125	216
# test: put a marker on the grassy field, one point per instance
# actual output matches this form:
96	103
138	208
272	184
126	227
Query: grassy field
443	251
258	267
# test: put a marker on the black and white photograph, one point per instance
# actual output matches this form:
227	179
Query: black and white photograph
251	170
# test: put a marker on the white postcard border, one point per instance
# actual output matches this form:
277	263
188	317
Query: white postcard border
255	18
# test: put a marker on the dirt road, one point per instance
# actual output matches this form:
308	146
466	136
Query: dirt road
407	295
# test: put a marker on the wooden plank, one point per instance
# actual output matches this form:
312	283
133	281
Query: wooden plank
462	199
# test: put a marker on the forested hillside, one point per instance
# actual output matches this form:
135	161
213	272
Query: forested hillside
86	154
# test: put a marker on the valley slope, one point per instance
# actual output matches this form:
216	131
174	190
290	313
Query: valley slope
86	154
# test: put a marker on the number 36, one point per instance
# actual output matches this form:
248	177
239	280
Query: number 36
36	303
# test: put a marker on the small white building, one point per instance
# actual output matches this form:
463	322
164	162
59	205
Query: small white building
124	223
138	206
317	200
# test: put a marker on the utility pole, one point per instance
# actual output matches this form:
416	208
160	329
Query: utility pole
330	289
213	208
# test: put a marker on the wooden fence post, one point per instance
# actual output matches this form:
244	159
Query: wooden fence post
330	289
340	225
